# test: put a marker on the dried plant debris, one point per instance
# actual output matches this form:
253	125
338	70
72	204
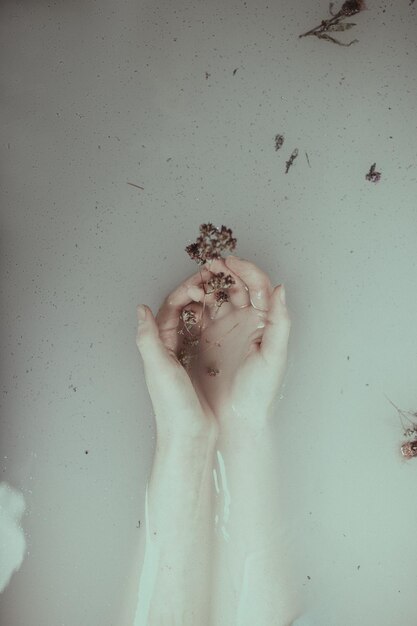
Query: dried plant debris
408	448
290	161
185	359
372	175
210	243
220	281
336	24
279	140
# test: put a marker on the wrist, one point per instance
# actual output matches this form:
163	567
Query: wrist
194	437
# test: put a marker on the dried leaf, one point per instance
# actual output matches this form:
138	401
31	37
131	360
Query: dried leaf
340	27
328	38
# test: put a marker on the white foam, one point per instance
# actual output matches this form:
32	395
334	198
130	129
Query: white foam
12	539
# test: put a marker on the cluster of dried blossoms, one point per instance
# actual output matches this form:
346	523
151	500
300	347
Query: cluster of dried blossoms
335	23
209	245
408	448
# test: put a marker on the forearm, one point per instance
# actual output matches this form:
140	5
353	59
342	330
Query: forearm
252	546
176	573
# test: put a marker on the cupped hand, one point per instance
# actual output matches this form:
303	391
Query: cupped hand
246	344
179	411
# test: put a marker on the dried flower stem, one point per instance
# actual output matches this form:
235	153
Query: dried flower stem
334	24
208	246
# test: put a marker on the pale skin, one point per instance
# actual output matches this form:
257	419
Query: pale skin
214	540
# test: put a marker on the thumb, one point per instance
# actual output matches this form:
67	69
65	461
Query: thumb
277	330
150	346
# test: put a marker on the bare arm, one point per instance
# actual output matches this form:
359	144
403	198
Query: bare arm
252	548
174	587
176	575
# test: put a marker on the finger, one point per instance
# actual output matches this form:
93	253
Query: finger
238	293
168	316
277	330
258	283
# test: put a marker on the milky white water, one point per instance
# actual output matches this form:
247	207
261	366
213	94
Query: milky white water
94	97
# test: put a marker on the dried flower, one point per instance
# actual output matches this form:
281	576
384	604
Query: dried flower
220	281
373	176
210	243
188	317
221	296
409	449
208	246
351	7
335	23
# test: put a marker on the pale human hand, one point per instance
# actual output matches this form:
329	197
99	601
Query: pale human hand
252	357
179	411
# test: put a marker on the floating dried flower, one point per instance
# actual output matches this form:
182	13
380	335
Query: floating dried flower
335	23
373	176
351	7
409	449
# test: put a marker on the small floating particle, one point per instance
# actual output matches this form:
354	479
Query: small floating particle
372	175
290	161
279	140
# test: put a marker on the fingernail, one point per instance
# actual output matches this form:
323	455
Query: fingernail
282	294
141	311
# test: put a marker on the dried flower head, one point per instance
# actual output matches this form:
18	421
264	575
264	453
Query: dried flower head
221	296
351	7
210	243
409	449
220	281
188	317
